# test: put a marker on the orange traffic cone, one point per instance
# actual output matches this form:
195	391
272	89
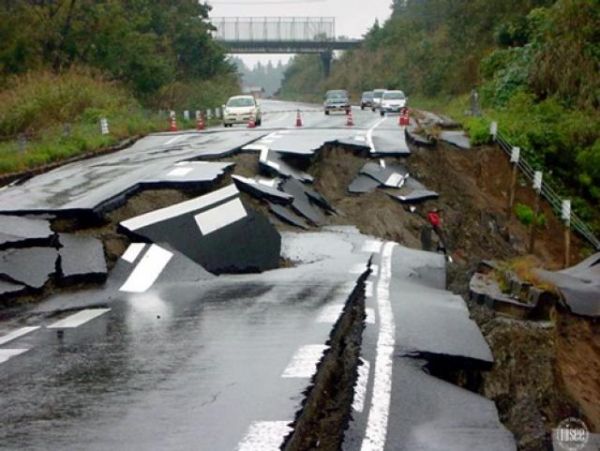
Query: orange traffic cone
404	119
200	125
350	121
252	122
172	124
298	119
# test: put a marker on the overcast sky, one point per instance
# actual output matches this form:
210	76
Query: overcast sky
353	17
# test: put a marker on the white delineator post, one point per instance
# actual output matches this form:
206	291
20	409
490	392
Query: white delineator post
186	115
566	217
514	160
537	187
104	126
494	130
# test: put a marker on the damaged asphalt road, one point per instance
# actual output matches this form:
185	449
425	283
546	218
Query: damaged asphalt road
217	329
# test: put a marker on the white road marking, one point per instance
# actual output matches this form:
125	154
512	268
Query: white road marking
374	269
147	270
360	138
180	172
265	436
360	390
368	289
372	246
395	180
376	433
370	134
382	163
330	313
218	217
173	140
133	251
181	208
79	318
17	334
359	268
6	354
304	362
370	315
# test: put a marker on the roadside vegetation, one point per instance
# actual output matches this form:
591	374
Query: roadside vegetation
534	63
66	64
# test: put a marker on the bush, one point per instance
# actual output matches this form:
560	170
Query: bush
526	215
37	100
479	130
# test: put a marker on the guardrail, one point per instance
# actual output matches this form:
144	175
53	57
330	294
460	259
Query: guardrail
549	193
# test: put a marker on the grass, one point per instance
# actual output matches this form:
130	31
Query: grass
59	117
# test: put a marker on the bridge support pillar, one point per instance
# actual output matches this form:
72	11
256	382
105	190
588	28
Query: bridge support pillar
326	58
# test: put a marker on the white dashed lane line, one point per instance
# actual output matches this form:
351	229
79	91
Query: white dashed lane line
16	334
79	318
304	362
360	390
265	436
6	354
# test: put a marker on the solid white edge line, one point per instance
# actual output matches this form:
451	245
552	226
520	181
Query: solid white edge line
180	172
17	334
7	354
377	424
146	272
265	436
304	363
133	251
368	289
216	218
360	390
180	209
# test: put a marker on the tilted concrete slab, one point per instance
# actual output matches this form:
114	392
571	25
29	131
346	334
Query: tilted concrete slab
31	266
287	215
457	138
10	289
391	176
16	231
99	184
216	230
302	204
363	184
81	259
263	190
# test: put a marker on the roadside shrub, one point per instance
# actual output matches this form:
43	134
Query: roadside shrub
479	130
526	215
39	100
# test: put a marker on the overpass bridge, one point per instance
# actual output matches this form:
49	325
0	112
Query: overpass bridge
281	35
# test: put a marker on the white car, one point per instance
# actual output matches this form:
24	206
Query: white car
239	109
392	102
377	96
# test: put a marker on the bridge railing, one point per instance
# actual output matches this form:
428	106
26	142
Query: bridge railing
280	29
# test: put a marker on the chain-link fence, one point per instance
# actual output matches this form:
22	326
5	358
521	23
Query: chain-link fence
276	29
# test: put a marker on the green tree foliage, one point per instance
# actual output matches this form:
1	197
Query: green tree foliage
145	43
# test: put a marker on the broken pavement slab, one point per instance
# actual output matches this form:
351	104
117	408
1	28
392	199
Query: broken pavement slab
263	190
273	162
215	230
457	138
17	231
579	285
287	215
363	184
33	266
191	174
81	259
390	176
9	289
302	203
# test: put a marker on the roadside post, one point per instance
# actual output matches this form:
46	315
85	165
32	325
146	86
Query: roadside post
186	115
104	126
22	142
494	130
218	113
566	217
515	156
537	187
209	114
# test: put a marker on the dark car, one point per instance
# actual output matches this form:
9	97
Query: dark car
337	100
366	101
